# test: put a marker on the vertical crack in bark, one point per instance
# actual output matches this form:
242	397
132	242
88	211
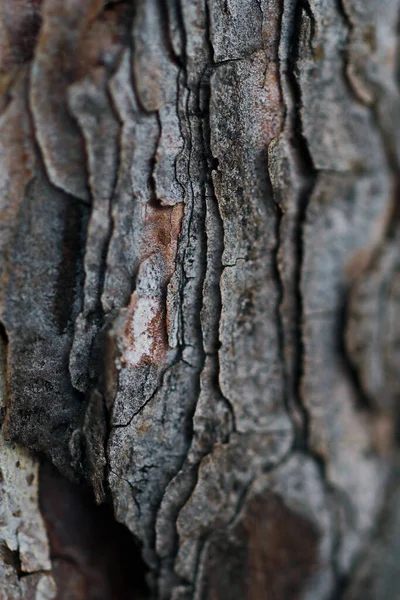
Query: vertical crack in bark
190	241
210	163
277	252
192	95
307	168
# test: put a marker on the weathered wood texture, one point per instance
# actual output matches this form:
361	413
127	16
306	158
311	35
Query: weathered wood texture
199	262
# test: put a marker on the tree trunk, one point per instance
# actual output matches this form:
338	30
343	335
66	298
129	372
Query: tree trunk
199	253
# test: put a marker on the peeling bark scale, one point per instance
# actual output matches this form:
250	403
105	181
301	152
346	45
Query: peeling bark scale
200	292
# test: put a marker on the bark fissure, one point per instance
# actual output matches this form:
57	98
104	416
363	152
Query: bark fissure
308	171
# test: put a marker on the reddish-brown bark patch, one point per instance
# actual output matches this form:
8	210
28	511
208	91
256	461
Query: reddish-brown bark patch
269	554
144	331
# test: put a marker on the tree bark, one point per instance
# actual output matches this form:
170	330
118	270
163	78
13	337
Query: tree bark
199	253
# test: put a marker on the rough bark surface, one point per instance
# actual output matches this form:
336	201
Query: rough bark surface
200	291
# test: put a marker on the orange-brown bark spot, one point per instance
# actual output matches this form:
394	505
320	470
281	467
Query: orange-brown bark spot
144	331
161	231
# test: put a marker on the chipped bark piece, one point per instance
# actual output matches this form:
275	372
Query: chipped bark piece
65	38
212	423
63	25
241	181
246	336
22	529
244	298
211	308
156	440
144	330
169	191
138	142
144	335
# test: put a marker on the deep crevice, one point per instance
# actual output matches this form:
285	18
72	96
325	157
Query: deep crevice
307	167
70	281
11	558
3	334
104	556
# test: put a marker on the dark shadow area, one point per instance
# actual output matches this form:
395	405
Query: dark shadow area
94	557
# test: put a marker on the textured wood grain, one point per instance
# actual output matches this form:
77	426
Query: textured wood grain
199	269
